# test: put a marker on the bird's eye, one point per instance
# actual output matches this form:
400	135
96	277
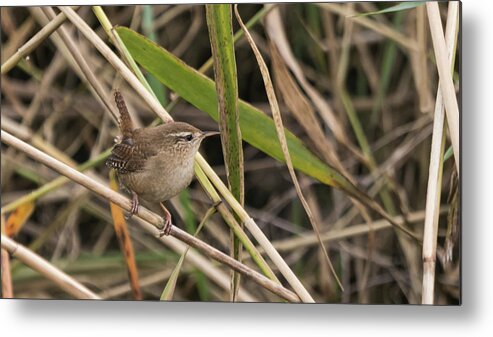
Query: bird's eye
188	137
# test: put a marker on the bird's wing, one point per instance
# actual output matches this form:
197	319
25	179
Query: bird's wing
129	156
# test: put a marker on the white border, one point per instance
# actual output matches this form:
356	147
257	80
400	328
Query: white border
71	318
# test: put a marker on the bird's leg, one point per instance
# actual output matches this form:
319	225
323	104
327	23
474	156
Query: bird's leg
167	222
135	205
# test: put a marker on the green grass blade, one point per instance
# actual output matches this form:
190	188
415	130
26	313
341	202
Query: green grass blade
448	154
191	225
221	37
169	289
396	8
220	28
386	70
148	30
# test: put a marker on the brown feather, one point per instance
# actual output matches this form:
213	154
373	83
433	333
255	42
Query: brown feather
131	154
125	122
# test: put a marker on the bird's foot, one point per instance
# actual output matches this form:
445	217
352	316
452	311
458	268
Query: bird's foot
135	206
166	230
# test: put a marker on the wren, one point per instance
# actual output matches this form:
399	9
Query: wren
154	163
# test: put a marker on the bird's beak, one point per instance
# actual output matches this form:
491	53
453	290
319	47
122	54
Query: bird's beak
209	133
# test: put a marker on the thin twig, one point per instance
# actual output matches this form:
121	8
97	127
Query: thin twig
116	62
36	262
310	239
163	114
33	43
378	27
101	92
6	279
153	222
257	233
7	289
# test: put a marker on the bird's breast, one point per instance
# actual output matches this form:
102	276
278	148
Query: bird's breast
161	179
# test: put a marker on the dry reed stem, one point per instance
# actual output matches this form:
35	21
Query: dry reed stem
409	249
433	194
368	64
276	114
203	264
341	92
17	37
418	61
170	14
36	262
33	43
195	258
446	83
49	76
43	20
116	62
163	114
378	27
153	222
425	98
277	34
256	232
90	77
330	40
25	133
145	281
71	57
280	47
7	288
232	222
310	239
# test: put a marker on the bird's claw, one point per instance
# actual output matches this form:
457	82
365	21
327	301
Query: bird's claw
166	230
134	208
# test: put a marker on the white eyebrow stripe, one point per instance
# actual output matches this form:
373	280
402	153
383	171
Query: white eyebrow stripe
182	134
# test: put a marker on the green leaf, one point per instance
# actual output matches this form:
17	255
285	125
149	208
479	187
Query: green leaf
257	128
148	30
396	8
